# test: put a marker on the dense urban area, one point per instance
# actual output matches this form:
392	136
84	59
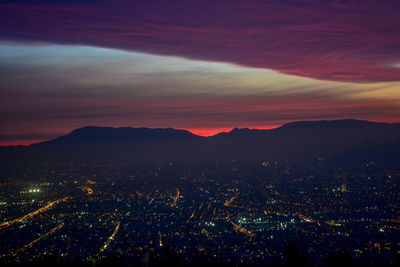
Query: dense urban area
225	212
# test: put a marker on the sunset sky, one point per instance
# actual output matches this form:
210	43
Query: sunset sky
205	66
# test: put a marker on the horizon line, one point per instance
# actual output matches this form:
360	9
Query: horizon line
193	130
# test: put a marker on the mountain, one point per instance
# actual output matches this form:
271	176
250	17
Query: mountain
102	135
342	140
339	140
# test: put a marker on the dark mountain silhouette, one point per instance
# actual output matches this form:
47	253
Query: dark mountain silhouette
93	134
344	141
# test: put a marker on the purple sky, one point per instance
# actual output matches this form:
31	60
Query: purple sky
333	40
230	64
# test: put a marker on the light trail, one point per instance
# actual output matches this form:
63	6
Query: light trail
14	253
201	205
241	229
176	197
309	220
306	219
333	223
228	202
151	201
88	190
34	213
153	198
160	240
110	239
52	231
191	216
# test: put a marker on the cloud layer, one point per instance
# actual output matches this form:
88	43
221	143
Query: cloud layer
357	41
49	90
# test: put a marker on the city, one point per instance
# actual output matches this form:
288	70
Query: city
201	133
229	212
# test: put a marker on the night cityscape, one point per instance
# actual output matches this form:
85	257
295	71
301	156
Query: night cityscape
199	133
225	213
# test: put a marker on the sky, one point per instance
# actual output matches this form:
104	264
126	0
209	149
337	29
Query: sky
204	66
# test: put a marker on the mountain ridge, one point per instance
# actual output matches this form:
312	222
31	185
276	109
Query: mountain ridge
236	130
344	140
107	134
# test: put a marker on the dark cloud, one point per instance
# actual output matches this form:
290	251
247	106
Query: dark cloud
335	40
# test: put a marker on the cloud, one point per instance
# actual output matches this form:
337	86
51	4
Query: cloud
328	40
49	90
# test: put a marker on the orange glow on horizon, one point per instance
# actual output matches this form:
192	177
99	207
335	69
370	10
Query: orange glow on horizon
206	132
21	142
